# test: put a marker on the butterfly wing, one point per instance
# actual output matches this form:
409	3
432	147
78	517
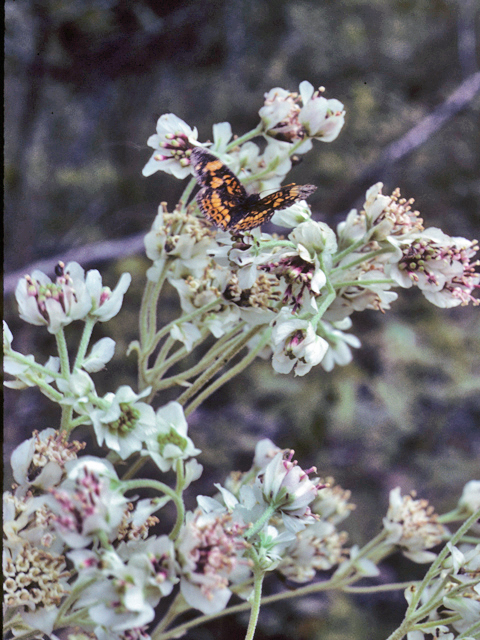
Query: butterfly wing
222	190
260	212
216	207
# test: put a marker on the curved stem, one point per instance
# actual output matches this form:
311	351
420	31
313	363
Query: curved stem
216	366
247	136
228	375
162	354
128	485
207	359
186	318
317	587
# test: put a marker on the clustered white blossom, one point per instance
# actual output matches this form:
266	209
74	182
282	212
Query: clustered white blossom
80	552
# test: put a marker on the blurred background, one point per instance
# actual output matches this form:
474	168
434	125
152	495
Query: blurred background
85	83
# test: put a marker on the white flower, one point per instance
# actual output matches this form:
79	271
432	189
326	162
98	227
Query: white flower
168	442
363	565
120	598
332	503
295	345
86	503
271	546
280	107
339	344
318	547
319	118
285	485
78	391
470	498
222	134
292	216
105	303
413	526
267	170
322	119
265	451
187	333
125	422
209	550
439	265
7	337
315	237
173	140
101	353
54	304
25	374
40	460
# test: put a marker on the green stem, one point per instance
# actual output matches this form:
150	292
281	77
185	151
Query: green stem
206	360
129	485
178	490
329	298
378	588
474	629
437	563
364	258
363	283
317	587
177	607
136	466
260	523
31	364
247	136
77	589
186	318
353	247
81	420
156	370
346	567
258	576
186	193
452	516
63	354
143	316
421	626
147	347
228	375
51	393
230	353
84	342
261	174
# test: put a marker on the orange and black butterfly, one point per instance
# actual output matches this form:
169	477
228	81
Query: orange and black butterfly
224	201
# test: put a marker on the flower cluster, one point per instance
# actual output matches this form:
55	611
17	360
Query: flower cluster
413	526
80	548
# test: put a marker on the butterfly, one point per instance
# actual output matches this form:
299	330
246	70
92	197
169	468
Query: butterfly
224	201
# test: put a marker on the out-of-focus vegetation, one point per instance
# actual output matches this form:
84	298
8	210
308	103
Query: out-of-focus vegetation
85	83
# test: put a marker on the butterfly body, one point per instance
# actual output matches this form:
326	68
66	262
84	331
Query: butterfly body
224	201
